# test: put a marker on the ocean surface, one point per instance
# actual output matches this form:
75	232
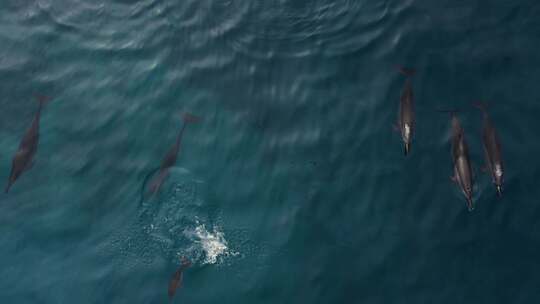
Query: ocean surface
292	187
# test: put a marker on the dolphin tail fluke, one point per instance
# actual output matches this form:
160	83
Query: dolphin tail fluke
42	100
406	71
482	105
452	112
190	118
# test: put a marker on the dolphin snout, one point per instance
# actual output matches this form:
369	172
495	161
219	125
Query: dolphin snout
407	148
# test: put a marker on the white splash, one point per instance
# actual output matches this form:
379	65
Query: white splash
213	244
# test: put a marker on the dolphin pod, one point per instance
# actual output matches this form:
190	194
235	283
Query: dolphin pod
23	160
463	173
24	157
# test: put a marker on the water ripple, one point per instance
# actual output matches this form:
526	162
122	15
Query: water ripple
290	29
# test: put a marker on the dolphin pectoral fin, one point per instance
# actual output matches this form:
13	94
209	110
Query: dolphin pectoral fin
405	71
453	179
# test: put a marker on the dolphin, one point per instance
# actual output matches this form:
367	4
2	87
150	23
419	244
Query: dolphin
463	174
176	280
170	158
492	149
406	120
24	157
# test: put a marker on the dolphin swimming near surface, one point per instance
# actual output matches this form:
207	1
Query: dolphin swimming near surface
406	120
463	174
170	158
492	149
177	278
24	157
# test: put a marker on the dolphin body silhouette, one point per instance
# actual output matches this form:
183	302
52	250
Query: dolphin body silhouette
170	158
406	116
177	278
492	150
463	174
24	157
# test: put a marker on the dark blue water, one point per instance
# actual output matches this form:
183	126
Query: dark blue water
292	188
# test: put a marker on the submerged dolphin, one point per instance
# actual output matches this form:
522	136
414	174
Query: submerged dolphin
170	159
406	118
23	159
492	150
463	174
176	280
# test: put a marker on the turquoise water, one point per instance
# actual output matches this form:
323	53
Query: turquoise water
292	188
